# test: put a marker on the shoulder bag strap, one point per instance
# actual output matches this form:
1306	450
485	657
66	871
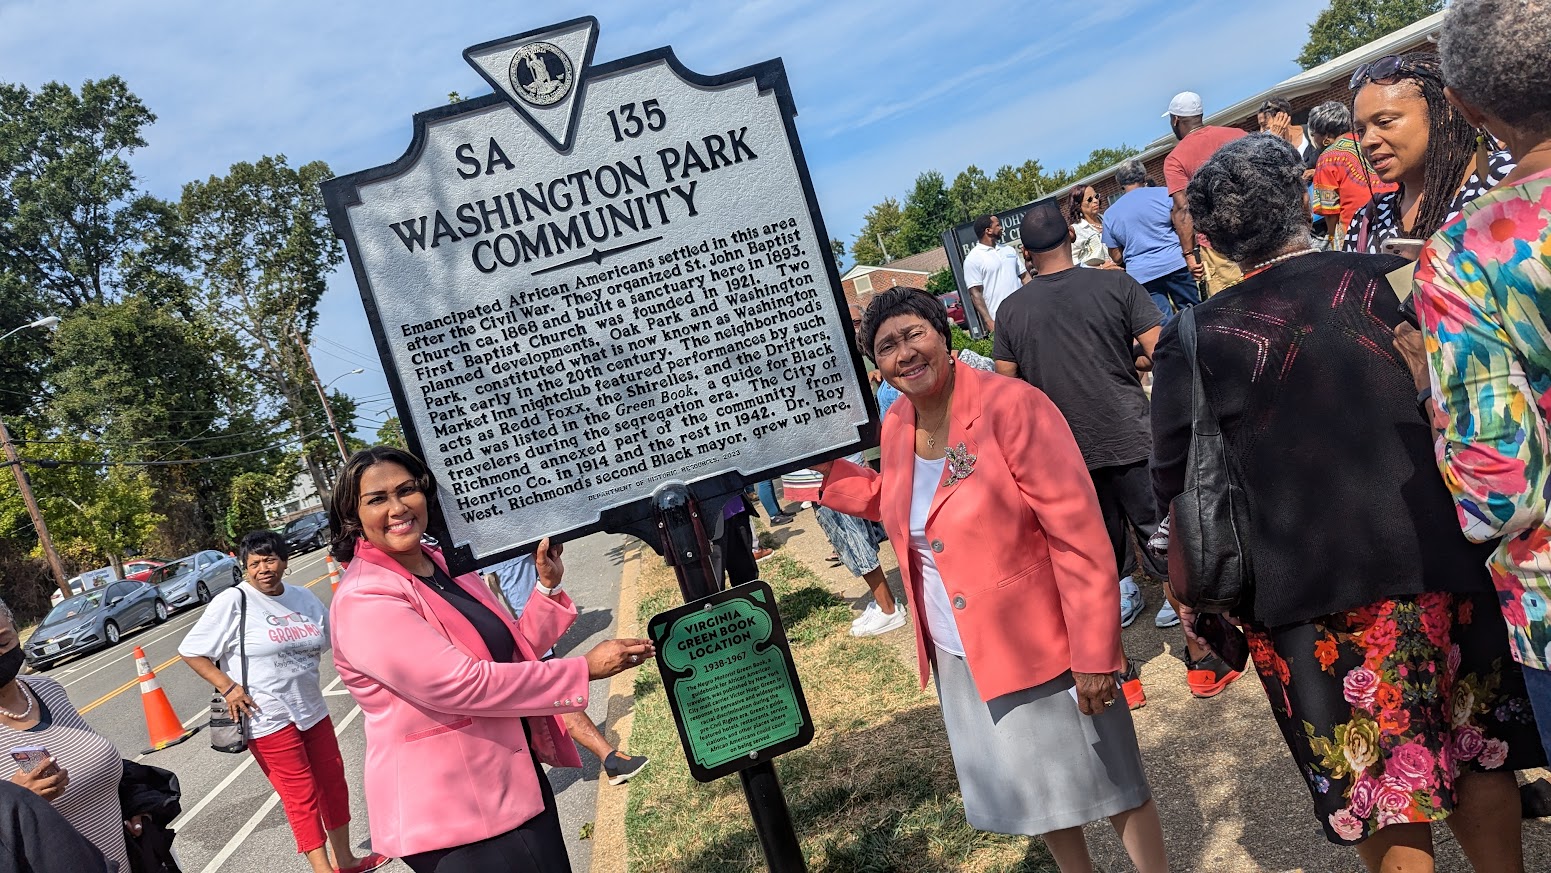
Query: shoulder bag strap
1201	419
242	637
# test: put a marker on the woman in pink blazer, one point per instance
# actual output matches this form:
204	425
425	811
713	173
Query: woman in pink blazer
459	708
1011	577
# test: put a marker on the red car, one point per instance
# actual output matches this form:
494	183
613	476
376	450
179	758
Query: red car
139	569
950	301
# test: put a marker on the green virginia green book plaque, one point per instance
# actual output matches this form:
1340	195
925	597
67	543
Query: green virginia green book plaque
731	684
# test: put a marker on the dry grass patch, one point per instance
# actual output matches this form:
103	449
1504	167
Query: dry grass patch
875	790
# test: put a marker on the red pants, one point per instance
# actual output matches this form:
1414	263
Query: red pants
308	773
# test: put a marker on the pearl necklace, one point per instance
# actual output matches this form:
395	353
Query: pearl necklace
26	712
1280	258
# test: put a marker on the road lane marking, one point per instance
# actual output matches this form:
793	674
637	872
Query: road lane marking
114	655
126	686
231	777
253	822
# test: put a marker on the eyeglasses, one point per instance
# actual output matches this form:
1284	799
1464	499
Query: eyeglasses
1384	71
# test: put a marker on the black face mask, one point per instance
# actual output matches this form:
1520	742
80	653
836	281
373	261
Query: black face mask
11	664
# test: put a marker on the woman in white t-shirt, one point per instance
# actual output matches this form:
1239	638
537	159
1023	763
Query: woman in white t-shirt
284	629
1084	211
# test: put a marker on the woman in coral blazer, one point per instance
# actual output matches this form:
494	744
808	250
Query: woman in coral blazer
459	708
1011	578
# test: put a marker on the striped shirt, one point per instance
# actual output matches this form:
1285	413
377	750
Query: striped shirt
90	800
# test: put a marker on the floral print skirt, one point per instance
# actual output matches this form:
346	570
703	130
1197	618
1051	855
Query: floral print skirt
1383	706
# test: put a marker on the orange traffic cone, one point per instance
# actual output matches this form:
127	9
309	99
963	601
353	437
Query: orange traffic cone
161	722
333	575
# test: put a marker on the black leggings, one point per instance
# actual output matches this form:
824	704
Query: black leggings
535	846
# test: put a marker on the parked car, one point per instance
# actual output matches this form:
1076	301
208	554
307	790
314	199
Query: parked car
84	583
195	579
306	534
93	620
955	307
139	569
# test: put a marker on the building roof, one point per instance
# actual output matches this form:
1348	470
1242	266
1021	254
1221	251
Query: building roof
926	263
929	261
1309	81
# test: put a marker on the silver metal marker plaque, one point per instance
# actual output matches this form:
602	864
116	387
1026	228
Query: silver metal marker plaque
597	279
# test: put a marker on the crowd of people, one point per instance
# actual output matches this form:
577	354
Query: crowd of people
1350	309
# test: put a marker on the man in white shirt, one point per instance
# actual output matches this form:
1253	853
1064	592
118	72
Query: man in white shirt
992	272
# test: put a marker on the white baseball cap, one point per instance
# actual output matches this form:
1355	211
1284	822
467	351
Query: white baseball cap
1186	104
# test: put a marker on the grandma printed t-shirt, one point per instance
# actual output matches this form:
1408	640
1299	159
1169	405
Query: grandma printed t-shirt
286	638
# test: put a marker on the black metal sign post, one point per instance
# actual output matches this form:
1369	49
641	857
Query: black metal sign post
688	551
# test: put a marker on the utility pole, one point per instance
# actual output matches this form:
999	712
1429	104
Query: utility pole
48	322
323	398
44	540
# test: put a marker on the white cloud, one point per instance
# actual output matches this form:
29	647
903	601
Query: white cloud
884	90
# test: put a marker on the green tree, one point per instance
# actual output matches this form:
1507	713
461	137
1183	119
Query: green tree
971	194
879	227
392	433
941	282
1012	187
152	385
1098	159
928	212
70	216
1349	24
837	251
73	228
96	514
264	249
249	493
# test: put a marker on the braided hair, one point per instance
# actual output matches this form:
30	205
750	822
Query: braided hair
1451	143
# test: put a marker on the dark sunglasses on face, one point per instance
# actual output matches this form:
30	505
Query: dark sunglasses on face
1384	71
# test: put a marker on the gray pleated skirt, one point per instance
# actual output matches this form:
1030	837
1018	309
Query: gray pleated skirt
1030	763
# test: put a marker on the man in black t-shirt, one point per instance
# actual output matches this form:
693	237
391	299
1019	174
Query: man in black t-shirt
1069	333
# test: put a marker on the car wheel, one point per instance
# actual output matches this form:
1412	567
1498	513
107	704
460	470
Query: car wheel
202	591
110	630
161	612
236	576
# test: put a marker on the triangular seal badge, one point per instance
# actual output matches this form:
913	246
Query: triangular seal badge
542	73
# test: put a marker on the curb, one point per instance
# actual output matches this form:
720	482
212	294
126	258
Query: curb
609	850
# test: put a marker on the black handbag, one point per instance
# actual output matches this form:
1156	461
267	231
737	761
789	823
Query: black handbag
1209	566
228	734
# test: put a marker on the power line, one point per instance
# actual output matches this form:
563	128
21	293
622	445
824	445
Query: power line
49	463
135	443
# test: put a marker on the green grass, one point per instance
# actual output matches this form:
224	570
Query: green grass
874	791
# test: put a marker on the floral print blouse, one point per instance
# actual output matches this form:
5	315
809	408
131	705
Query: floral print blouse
1483	290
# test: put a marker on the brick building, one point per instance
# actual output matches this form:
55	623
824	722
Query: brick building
1328	81
861	282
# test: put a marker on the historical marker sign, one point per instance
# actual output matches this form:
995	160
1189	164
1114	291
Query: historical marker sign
728	671
597	279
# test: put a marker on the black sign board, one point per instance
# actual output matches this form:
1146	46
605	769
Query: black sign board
598	279
728	672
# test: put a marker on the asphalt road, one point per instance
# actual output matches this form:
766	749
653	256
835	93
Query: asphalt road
231	817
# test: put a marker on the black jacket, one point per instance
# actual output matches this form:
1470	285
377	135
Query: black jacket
153	792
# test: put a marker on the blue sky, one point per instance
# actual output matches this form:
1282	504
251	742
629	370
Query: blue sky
884	90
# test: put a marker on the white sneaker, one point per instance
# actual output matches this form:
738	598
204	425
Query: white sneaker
882	622
870	615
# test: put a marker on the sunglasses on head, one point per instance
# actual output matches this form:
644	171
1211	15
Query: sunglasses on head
1384	71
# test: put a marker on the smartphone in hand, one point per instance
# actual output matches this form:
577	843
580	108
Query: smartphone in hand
28	758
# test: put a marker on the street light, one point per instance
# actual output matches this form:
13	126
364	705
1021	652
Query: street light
22	483
328	410
46	321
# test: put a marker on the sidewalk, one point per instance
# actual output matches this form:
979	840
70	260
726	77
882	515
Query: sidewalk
1229	795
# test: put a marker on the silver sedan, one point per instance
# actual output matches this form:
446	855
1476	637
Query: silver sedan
196	578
